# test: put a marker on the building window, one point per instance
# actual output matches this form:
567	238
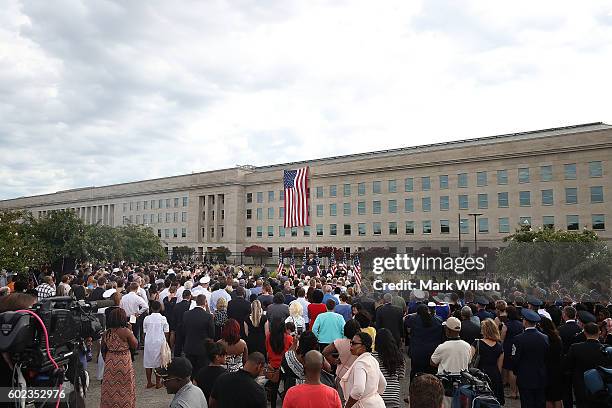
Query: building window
597	194
124	207
426	204
160	204
259	232
376	207
185	201
572	223
523	175
259	213
481	178
426	227
548	221
306	231
463	202
319	208
333	210
319	192
281	231
595	169
319	230
393	228
175	217
160	218
270	230
444	227
137	218
270	196
175	232
408	205
248	232
547	197
184	216
361	207
249	214
332	190
464	225
483	225
167	217
502	200
525	221
281	213
281	194
271	213
392	186
409	184
571	195
159	233
525	198
176	202
167	233
347	229
410	227
152	204
183	232
569	170
376	230
504	225
425	183
249	197
168	203
361	189
346	190
294	231
462	180
443	182
346	209
333	230
361	229
502	177
598	221
145	205
444	203
392	206
137	205
376	187
546	173
483	201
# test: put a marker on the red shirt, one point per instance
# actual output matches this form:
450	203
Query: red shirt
315	309
275	359
312	396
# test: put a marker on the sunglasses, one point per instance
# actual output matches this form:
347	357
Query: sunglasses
354	343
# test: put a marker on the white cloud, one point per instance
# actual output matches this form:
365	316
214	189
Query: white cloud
94	93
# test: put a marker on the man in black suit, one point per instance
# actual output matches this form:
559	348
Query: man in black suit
582	357
96	294
390	317
568	331
178	313
470	331
529	357
198	326
239	308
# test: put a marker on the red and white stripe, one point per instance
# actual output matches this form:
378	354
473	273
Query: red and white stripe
296	201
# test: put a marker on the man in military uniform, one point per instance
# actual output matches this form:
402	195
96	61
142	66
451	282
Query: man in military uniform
529	352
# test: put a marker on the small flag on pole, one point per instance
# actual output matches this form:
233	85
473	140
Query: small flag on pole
332	263
357	267
317	261
281	265
292	266
304	260
296	197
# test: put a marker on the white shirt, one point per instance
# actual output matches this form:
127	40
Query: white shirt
133	304
452	356
179	294
199	290
215	296
164	294
143	294
304	304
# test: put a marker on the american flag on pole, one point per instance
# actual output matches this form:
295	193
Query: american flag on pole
357	267
296	197
281	265
292	266
317	261
332	263
304	269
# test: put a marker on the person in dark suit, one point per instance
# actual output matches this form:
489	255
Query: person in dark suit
529	356
582	357
96	294
178	313
482	312
198	326
390	317
239	308
567	331
470	331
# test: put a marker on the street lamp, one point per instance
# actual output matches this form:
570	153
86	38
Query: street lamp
475	215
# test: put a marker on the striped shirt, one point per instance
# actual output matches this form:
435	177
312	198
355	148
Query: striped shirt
392	393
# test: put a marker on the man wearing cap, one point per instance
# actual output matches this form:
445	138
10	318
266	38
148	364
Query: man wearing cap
454	355
202	288
568	330
482	312
529	358
177	380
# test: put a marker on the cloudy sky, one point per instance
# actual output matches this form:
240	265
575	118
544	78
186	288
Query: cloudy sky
102	92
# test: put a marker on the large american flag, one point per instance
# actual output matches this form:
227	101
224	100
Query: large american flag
296	197
357	267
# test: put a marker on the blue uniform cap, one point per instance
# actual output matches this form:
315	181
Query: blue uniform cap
530	315
586	317
534	301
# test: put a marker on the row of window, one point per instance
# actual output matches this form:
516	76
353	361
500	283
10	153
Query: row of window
482	180
524	199
154	218
153	204
503	226
172	233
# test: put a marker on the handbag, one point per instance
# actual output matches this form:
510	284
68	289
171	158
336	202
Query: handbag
165	355
476	359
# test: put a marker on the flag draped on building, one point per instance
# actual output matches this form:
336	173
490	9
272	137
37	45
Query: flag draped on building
292	266
281	265
357	269
332	263
296	197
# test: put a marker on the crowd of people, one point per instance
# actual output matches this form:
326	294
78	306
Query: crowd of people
225	336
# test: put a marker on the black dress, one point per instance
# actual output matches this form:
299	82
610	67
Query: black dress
488	365
256	340
554	372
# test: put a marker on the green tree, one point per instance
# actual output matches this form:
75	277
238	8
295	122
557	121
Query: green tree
140	244
20	247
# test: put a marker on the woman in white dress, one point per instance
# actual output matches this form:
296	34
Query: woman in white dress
156	329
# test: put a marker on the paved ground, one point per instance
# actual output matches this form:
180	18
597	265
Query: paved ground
154	398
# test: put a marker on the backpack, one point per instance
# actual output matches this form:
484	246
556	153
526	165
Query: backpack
598	382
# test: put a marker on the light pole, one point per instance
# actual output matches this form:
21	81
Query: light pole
475	215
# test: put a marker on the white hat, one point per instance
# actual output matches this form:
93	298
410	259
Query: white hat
418	294
205	279
431	304
171	271
544	313
109	292
116	270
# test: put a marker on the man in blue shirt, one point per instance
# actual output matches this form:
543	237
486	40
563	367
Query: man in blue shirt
328	326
